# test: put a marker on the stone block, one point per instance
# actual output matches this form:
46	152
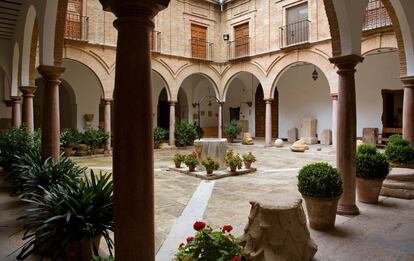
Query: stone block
293	135
326	137
279	143
370	135
308	130
278	232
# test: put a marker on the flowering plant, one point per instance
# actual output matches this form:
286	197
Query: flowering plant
233	160
191	160
249	157
208	245
210	165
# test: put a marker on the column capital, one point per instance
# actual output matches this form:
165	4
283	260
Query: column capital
108	100
408	81
50	72
334	96
220	103
8	102
268	100
346	63
28	91
172	103
15	99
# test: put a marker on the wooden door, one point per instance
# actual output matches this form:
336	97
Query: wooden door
198	41
234	113
241	40
260	114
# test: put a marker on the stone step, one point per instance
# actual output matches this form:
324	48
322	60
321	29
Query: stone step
397	193
401	174
395	184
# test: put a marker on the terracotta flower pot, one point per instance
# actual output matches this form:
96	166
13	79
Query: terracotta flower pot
68	151
191	168
209	172
177	164
321	212
81	250
248	164
368	190
233	168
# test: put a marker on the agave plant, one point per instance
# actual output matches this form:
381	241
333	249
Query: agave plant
69	212
33	175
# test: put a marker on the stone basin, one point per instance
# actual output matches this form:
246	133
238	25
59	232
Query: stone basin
211	147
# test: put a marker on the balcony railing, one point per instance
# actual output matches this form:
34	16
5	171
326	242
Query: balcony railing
155	41
76	27
238	48
294	34
376	16
201	49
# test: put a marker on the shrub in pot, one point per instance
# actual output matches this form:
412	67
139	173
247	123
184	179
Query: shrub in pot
178	159
160	136
210	165
68	140
94	139
371	169
248	159
191	161
399	152
185	134
70	218
232	130
233	161
321	186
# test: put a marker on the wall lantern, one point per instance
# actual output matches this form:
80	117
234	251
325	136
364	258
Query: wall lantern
315	74
226	37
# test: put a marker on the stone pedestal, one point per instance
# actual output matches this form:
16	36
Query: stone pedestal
216	149
279	143
369	136
278	232
88	120
326	137
27	115
308	130
293	135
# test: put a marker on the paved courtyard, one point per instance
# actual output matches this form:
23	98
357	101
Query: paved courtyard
382	232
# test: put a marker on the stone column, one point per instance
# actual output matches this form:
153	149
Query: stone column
28	94
346	131
172	123
16	111
220	120
107	126
133	162
334	97
50	113
408	109
268	123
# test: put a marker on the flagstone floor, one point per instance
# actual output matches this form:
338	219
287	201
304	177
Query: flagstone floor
381	232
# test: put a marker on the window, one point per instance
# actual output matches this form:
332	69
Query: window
297	25
198	41
241	40
376	16
76	24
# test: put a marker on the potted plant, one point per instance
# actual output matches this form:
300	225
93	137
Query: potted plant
191	161
178	159
209	244
94	139
371	169
232	130
234	161
210	165
399	152
185	134
68	140
248	159
70	218
321	186
160	136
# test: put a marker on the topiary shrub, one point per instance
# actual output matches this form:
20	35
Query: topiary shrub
367	149
399	151
185	133
371	164
232	129
160	136
395	138
320	180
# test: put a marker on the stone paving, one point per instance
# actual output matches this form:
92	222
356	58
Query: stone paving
381	232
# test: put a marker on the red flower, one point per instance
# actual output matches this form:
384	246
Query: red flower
236	258
189	239
199	225
181	245
194	154
227	228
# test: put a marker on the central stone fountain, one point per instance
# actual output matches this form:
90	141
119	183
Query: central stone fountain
214	148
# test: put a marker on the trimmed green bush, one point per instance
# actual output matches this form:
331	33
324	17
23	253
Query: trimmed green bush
367	149
320	180
185	133
160	135
232	129
399	154
371	165
395	139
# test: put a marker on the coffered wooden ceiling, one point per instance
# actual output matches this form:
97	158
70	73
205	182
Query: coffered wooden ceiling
9	14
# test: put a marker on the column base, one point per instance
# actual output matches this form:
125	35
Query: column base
268	145
344	210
